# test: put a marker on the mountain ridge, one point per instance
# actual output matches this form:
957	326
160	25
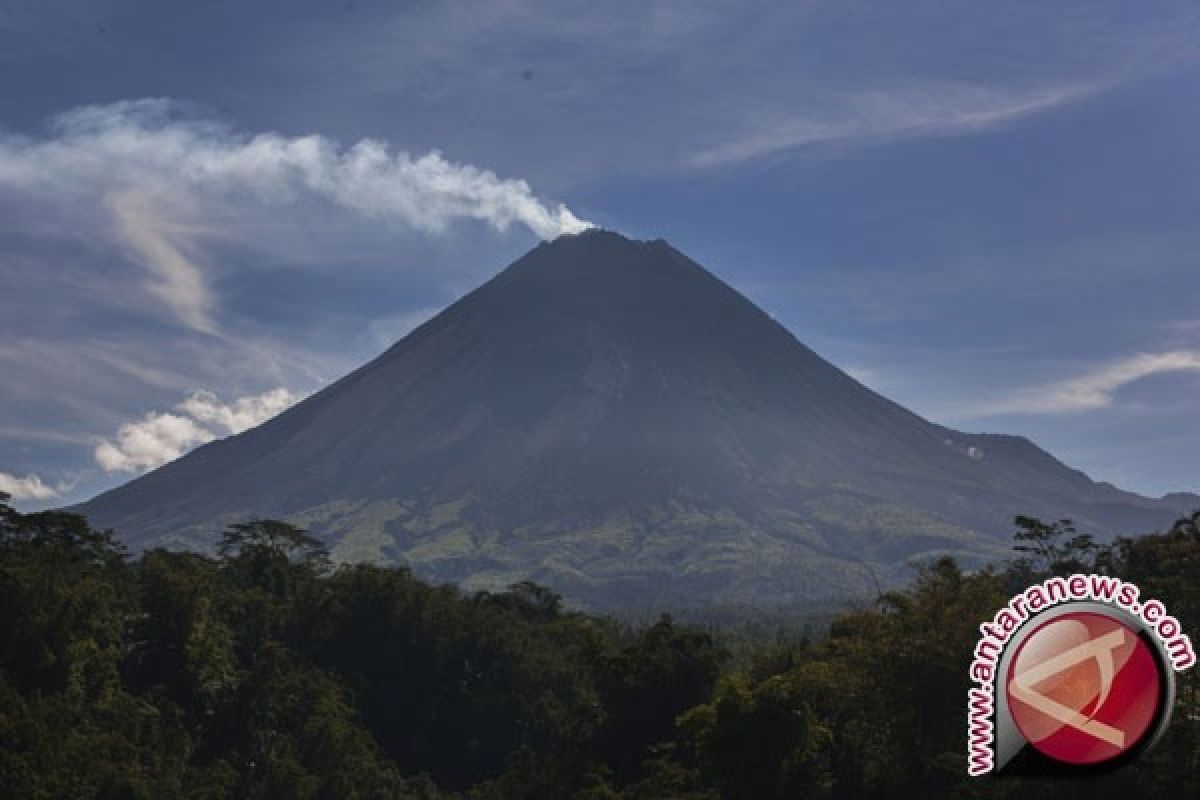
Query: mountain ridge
610	418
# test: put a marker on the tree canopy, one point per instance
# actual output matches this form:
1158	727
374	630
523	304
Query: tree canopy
264	671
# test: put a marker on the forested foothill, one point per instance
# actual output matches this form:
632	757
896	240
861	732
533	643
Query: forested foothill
266	671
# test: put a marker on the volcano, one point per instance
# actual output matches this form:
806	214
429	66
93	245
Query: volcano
609	419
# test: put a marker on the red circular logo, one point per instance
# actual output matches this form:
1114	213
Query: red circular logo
1084	688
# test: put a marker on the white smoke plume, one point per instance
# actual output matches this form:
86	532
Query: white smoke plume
154	174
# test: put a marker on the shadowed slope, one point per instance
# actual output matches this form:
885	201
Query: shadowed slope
607	417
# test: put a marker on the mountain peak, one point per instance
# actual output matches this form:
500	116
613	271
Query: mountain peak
608	418
599	265
594	233
601	238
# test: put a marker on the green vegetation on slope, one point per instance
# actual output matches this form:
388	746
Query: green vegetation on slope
267	672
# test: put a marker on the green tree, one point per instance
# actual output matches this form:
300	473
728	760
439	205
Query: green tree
1054	548
663	672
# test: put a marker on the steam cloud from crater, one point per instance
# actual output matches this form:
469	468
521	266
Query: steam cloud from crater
152	176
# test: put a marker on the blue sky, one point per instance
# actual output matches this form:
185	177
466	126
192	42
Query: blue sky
985	211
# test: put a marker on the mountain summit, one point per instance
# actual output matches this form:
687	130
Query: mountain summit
608	418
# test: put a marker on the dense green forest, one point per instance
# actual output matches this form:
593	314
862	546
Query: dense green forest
266	671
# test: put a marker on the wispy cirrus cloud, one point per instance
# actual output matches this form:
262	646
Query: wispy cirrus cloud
865	116
159	437
1095	389
167	250
156	180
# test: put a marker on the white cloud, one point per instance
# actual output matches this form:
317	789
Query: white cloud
242	414
160	437
1095	389
150	442
30	487
874	115
159	180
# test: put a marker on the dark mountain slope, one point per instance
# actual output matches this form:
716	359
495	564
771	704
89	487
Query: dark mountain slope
607	417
